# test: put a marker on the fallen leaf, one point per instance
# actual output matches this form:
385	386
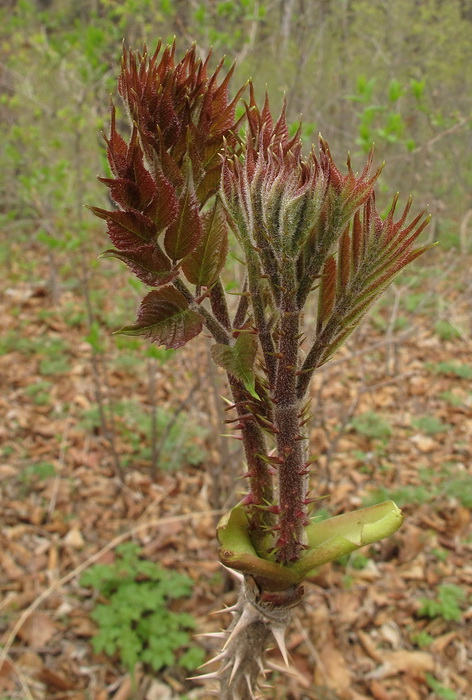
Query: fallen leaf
37	630
416	663
332	670
74	538
54	680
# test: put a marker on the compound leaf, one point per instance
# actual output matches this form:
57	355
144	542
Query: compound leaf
147	262
185	231
205	263
164	318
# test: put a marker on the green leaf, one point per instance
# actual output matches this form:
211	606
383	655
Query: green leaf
237	551
239	359
330	539
164	318
395	90
205	263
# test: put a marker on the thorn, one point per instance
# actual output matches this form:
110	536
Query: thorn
279	636
211	635
205	677
235	574
219	657
248	616
230	609
237	663
249	686
261	665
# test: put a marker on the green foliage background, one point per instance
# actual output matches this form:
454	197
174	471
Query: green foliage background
358	71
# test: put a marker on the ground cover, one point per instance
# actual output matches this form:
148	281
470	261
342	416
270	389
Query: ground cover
392	417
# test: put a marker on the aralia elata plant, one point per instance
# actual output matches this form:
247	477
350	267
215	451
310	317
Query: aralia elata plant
309	237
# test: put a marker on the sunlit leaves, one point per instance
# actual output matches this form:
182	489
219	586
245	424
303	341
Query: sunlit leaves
238	359
205	263
165	318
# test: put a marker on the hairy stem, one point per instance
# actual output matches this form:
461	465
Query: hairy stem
287	414
261	489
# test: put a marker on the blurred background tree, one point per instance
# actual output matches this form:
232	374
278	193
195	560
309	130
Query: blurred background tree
397	74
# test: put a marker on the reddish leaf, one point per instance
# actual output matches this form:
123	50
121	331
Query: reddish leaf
117	148
165	318
327	293
344	266
132	221
164	207
185	232
147	262
205	263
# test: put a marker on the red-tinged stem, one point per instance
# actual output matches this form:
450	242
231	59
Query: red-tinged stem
260	480
291	444
218	331
219	305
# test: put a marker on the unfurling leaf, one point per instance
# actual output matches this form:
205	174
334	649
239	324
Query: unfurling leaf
165	318
238	359
164	207
147	262
327	293
205	263
185	232
127	229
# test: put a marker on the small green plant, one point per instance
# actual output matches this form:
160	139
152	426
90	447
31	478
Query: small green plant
457	369
445	605
421	639
39	392
372	425
439	553
37	472
442	691
181	439
445	330
402	496
451	398
460	488
429	425
56	358
355	560
137	622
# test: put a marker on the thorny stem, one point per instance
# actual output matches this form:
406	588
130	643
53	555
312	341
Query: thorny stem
243	305
219	305
256	289
258	618
260	479
290	442
218	331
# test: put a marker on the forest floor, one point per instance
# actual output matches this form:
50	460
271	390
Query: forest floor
392	417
